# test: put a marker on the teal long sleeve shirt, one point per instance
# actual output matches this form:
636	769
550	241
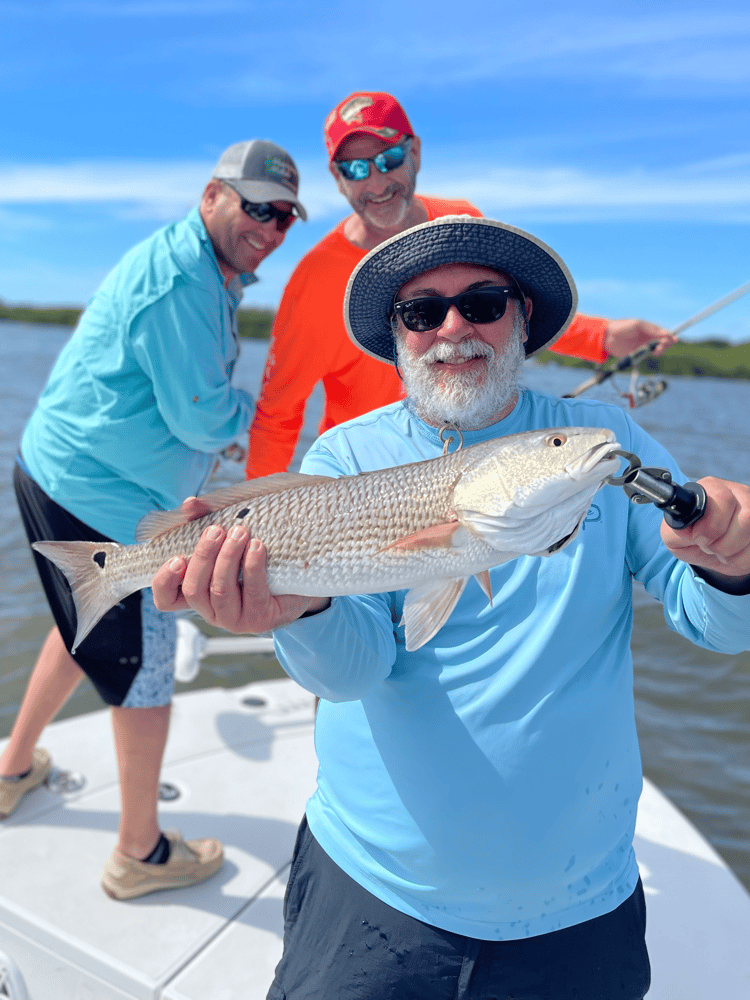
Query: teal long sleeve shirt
487	783
140	401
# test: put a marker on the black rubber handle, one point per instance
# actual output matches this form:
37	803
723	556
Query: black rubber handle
682	505
686	507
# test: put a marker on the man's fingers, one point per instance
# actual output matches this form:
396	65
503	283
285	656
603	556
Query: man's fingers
194	507
720	540
167	585
254	580
225	592
197	583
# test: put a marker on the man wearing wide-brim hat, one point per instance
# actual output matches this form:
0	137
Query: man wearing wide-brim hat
471	834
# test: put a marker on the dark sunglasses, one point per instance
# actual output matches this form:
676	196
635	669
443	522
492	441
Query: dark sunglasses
264	211
480	305
389	159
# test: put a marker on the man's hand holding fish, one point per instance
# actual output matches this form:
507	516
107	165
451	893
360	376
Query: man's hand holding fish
209	584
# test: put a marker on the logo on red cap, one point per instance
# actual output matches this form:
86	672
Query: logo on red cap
375	112
351	111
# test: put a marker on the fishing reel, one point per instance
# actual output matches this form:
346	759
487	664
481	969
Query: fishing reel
641	390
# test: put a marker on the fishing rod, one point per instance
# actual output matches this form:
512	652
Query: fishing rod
635	357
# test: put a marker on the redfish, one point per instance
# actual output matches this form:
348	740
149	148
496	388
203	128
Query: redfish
426	527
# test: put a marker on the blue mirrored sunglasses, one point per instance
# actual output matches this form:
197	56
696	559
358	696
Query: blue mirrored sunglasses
389	159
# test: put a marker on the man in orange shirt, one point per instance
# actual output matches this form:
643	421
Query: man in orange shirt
374	157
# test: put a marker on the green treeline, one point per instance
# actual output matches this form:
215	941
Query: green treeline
55	316
716	358
255	324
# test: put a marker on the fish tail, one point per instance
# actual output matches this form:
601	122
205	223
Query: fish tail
86	566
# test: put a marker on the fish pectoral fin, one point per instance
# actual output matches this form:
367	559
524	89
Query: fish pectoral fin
438	536
483	579
499	532
156	522
427	608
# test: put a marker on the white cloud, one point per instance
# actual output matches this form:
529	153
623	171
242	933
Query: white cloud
140	189
717	190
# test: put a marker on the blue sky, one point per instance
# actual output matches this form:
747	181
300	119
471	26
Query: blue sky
617	132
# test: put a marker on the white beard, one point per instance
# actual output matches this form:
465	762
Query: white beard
468	400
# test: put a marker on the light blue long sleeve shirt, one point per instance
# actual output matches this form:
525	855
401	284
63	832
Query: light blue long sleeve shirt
139	402
488	782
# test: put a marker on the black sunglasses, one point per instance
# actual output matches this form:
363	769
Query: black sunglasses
389	159
479	305
264	211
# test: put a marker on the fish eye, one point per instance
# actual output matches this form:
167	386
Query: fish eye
555	440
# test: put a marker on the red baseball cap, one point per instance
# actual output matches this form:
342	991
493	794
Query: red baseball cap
371	111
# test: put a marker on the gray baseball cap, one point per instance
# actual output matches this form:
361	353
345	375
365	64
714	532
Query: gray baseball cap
260	171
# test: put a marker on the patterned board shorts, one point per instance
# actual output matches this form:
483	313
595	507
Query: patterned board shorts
129	655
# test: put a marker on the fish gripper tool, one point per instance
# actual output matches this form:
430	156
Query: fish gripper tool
682	505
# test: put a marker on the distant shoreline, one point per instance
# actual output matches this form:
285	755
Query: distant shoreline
255	324
713	358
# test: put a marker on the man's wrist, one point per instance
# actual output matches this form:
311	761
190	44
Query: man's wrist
738	586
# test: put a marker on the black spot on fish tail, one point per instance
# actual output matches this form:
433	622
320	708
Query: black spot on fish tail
100	558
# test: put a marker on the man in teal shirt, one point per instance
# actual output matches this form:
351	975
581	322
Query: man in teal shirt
135	413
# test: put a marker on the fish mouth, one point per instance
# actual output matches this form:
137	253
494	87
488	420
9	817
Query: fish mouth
600	457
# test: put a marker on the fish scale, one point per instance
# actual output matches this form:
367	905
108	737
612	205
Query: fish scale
426	527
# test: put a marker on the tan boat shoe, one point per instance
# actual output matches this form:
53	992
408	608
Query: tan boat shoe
190	861
11	792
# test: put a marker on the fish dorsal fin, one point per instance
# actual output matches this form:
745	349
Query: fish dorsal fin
426	609
156	522
437	536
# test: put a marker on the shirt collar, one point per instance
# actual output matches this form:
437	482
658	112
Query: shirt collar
508	425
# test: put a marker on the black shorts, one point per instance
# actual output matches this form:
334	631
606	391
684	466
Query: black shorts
341	941
129	654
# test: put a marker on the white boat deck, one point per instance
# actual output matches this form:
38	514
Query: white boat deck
244	764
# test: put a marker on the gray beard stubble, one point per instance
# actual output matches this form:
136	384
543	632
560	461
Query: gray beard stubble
459	400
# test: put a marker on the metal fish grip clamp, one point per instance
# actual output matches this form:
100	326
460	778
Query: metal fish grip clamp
682	505
451	435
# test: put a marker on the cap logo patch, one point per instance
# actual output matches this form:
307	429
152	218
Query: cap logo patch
276	166
350	113
385	131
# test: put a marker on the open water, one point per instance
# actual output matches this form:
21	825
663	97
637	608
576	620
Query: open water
692	706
